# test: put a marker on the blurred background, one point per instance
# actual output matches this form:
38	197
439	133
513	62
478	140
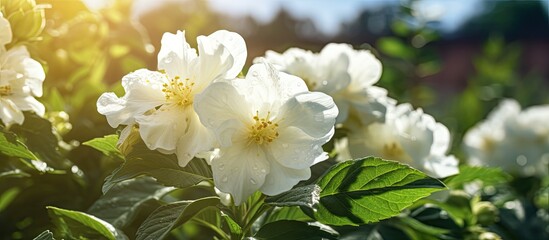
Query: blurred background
455	59
449	57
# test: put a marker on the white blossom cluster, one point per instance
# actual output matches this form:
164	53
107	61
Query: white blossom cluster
21	79
264	131
376	127
514	140
268	128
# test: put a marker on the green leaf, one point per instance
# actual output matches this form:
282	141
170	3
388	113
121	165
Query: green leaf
164	168
11	147
45	235
8	196
290	229
488	176
305	196
40	139
126	199
165	218
79	225
288	213
106	145
369	190
236	230
394	47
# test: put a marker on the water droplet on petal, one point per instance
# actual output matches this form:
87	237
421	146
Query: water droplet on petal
254	73
221	167
253	181
263	170
225	178
324	83
168	60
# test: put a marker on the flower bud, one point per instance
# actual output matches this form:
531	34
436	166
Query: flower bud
128	138
25	17
485	212
60	121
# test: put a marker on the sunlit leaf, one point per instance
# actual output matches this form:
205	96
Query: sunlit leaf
106	145
79	225
12	147
370	189
165	218
487	175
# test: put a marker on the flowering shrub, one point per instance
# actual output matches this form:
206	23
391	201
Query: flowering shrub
296	145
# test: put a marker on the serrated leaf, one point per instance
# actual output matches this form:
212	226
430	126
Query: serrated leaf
305	196
488	176
163	167
45	235
79	225
11	147
106	145
165	218
126	199
369	190
291	229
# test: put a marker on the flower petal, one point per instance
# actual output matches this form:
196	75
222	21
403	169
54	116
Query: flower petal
196	140
162	128
214	61
240	170
10	113
312	112
237	48
296	149
34	74
281	179
440	166
221	102
175	55
143	93
28	103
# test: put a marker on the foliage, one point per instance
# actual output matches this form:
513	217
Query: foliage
66	175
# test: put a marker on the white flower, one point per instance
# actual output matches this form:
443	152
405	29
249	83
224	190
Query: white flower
517	142
270	130
409	136
346	74
161	103
21	79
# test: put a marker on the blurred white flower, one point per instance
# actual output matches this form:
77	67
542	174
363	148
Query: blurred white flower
21	79
270	129
514	140
161	103
408	136
346	74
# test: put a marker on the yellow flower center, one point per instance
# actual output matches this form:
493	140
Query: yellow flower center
393	151
179	91
263	130
5	90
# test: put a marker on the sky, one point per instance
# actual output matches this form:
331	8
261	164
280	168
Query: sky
327	14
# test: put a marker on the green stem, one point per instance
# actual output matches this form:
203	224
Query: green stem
214	228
